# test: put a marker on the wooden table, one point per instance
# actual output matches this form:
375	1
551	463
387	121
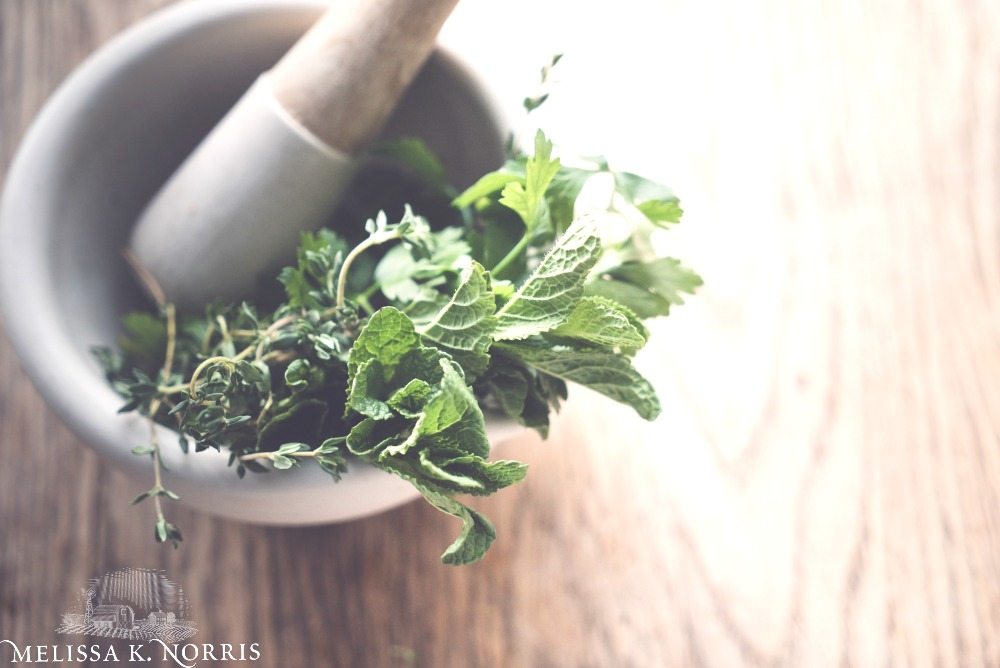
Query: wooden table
824	485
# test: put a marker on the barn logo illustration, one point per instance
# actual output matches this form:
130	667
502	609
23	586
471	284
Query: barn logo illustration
131	604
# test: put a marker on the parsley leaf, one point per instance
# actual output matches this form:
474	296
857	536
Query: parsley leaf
655	201
527	198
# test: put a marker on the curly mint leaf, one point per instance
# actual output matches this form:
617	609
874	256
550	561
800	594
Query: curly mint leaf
647	288
388	335
605	323
409	401
376	386
605	372
549	295
470	474
464	327
477	532
451	417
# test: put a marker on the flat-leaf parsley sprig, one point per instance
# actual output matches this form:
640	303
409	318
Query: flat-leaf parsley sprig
392	349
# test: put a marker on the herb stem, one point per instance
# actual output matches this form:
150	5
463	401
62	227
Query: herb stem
218	359
155	404
374	240
514	253
308	454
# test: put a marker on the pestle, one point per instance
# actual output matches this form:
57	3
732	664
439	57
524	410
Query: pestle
278	162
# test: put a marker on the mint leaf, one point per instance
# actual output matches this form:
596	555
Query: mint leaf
464	327
655	201
477	532
518	393
410	400
451	418
647	288
527	198
550	293
508	385
605	323
388	336
605	372
469	474
370	437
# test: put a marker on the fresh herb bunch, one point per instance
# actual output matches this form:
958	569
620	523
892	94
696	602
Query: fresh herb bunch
396	365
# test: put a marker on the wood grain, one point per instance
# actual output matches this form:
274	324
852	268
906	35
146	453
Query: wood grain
824	487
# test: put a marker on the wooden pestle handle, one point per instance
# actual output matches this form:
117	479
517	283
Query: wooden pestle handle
343	78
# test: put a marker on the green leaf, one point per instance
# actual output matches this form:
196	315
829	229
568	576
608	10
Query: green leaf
605	323
662	211
464	327
508	384
405	270
143	496
388	336
487	185
608	373
647	288
477	532
281	462
317	259
549	295
655	201
518	394
369	437
291	448
145	336
414	154
375	382
411	399
532	103
369	391
299	375
451	417
528	198
562	193
470	474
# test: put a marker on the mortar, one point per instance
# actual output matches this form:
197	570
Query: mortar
102	146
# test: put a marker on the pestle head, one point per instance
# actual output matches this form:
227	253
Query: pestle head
236	207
